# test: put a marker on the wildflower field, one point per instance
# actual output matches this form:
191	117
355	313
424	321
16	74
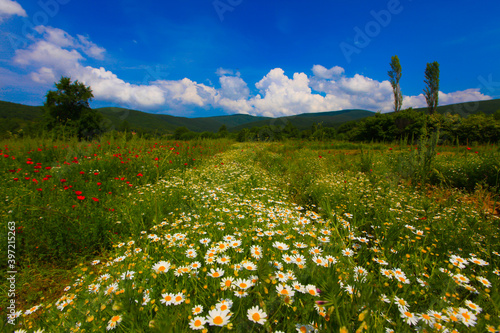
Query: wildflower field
217	236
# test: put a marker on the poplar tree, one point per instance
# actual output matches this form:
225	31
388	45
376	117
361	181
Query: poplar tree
395	76
431	91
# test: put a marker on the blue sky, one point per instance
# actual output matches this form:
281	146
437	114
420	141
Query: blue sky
211	57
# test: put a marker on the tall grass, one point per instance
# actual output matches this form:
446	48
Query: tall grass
360	245
68	196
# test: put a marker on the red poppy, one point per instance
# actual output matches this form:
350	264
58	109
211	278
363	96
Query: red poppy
39	189
16	179
78	192
99	184
82	172
96	173
95	199
80	197
139	175
63	180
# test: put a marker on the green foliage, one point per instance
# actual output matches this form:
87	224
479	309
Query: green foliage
395	76
468	171
496	115
179	132
243	135
67	110
431	91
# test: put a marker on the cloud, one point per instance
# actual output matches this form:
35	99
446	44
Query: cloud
9	8
55	36
90	49
107	86
241	106
46	54
233	87
467	95
323	73
62	39
223	71
284	96
186	92
357	92
43	75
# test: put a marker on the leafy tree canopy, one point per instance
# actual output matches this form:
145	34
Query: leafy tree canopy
69	106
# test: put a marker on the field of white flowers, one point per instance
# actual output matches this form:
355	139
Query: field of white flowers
238	254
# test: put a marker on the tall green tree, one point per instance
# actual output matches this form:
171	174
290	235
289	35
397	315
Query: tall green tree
431	91
395	76
69	106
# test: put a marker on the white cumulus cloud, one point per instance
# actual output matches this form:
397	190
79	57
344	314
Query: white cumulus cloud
9	8
107	86
233	87
282	96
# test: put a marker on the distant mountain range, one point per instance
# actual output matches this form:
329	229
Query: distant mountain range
120	117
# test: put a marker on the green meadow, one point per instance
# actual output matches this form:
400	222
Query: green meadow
151	235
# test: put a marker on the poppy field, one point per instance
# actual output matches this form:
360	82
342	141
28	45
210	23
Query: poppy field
218	236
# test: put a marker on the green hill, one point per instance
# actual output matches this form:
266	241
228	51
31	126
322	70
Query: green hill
465	109
20	111
167	123
15	116
306	120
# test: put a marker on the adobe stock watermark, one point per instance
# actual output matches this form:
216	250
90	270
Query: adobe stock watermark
12	314
363	37
223	6
48	10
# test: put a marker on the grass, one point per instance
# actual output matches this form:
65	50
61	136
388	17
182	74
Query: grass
322	236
